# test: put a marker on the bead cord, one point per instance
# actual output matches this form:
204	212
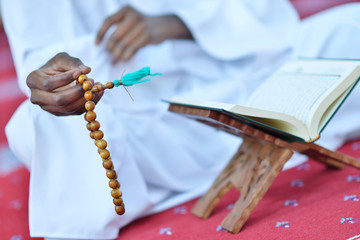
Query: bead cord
94	126
95	133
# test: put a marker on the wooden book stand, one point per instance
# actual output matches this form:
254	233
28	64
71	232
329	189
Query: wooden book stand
254	167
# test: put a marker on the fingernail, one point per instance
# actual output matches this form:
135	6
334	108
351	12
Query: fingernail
76	74
83	67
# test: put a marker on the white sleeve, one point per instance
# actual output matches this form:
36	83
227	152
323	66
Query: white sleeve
235	28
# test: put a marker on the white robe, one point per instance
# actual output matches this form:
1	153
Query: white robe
161	159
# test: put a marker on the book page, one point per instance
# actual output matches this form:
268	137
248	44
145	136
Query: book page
200	103
298	87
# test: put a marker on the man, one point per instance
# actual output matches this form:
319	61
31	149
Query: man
223	51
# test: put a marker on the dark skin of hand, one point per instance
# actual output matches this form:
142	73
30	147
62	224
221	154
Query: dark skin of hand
53	85
135	30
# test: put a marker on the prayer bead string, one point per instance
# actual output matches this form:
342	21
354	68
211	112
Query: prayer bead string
95	133
94	126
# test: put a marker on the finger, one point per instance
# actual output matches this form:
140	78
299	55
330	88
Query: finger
91	80
135	43
108	23
117	52
64	62
72	109
126	43
123	28
59	99
98	96
41	80
82	70
75	108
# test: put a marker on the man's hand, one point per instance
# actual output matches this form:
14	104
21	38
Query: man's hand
53	86
135	30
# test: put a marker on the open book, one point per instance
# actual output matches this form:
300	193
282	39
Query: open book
297	101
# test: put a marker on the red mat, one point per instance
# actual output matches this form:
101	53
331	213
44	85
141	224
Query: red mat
310	7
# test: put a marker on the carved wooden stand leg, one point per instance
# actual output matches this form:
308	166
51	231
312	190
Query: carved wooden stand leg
252	170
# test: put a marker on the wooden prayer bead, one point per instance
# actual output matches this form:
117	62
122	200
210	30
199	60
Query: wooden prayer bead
82	78
90	116
94	125
89	105
92	135
87	85
105	154
88	95
111	174
95	89
120	209
102	144
98	134
109	85
85	118
107	164
118	201
116	193
100	87
88	126
113	183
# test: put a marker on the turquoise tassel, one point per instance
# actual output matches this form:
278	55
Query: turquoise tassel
135	77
